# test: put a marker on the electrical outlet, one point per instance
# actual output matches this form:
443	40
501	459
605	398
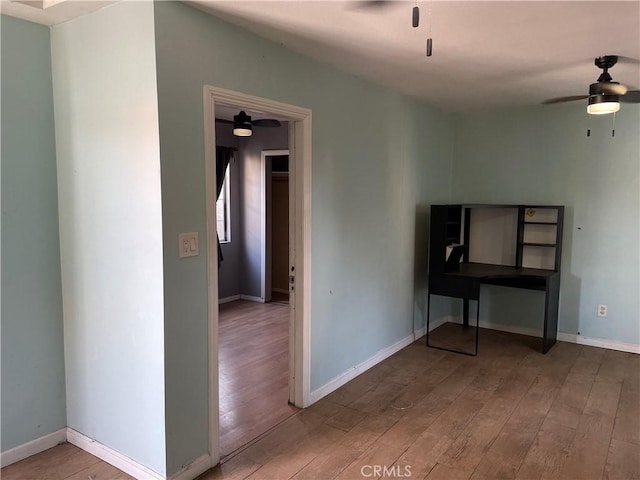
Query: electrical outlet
602	310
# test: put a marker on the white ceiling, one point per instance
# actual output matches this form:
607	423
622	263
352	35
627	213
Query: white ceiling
50	12
485	54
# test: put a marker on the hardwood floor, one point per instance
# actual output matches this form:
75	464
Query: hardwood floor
254	371
509	413
64	462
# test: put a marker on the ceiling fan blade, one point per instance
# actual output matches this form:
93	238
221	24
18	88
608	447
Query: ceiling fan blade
374	4
628	60
632	96
266	122
608	88
551	101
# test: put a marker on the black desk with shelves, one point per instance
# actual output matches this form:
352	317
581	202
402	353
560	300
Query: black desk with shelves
535	228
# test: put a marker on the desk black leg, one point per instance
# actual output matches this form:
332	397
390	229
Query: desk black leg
477	320
465	312
551	304
428	314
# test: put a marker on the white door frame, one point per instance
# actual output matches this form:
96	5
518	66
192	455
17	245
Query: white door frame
265	285
300	185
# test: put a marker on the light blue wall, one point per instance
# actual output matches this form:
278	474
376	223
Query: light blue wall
108	154
543	155
379	159
33	383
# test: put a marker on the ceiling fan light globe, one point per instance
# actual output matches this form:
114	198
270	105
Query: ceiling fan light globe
242	131
603	104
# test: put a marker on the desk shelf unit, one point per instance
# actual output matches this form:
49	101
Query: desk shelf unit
525	243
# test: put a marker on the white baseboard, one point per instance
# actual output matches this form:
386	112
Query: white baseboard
197	467
599	342
562	337
112	457
232	298
38	445
352	373
122	462
251	298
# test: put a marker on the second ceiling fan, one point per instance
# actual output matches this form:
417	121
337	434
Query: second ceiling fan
604	95
243	124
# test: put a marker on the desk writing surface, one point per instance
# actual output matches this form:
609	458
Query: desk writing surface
504	275
482	270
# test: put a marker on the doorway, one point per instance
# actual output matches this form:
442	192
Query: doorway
276	262
253	340
299	245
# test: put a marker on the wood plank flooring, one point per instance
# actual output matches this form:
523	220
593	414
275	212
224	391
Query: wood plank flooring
64	462
509	413
254	371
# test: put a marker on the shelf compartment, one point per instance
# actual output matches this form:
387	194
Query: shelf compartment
536	233
538	256
540	214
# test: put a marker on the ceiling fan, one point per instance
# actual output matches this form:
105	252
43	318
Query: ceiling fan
415	15
243	125
604	95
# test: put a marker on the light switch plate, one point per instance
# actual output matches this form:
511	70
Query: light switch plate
188	244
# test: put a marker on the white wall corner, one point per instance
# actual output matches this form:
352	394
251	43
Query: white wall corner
195	468
352	373
33	447
251	298
232	298
118	460
433	324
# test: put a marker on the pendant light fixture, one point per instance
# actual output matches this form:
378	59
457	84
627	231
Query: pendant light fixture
242	125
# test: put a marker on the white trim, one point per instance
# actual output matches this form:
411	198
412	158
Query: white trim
353	372
599	342
251	298
300	156
420	332
195	468
232	298
212	274
562	337
302	183
112	457
38	445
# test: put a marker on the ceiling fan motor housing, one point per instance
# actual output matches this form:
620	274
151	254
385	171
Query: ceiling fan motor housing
607	88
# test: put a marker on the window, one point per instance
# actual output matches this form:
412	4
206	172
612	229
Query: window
222	211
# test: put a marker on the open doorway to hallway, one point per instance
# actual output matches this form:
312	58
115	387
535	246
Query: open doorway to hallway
299	144
253	283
